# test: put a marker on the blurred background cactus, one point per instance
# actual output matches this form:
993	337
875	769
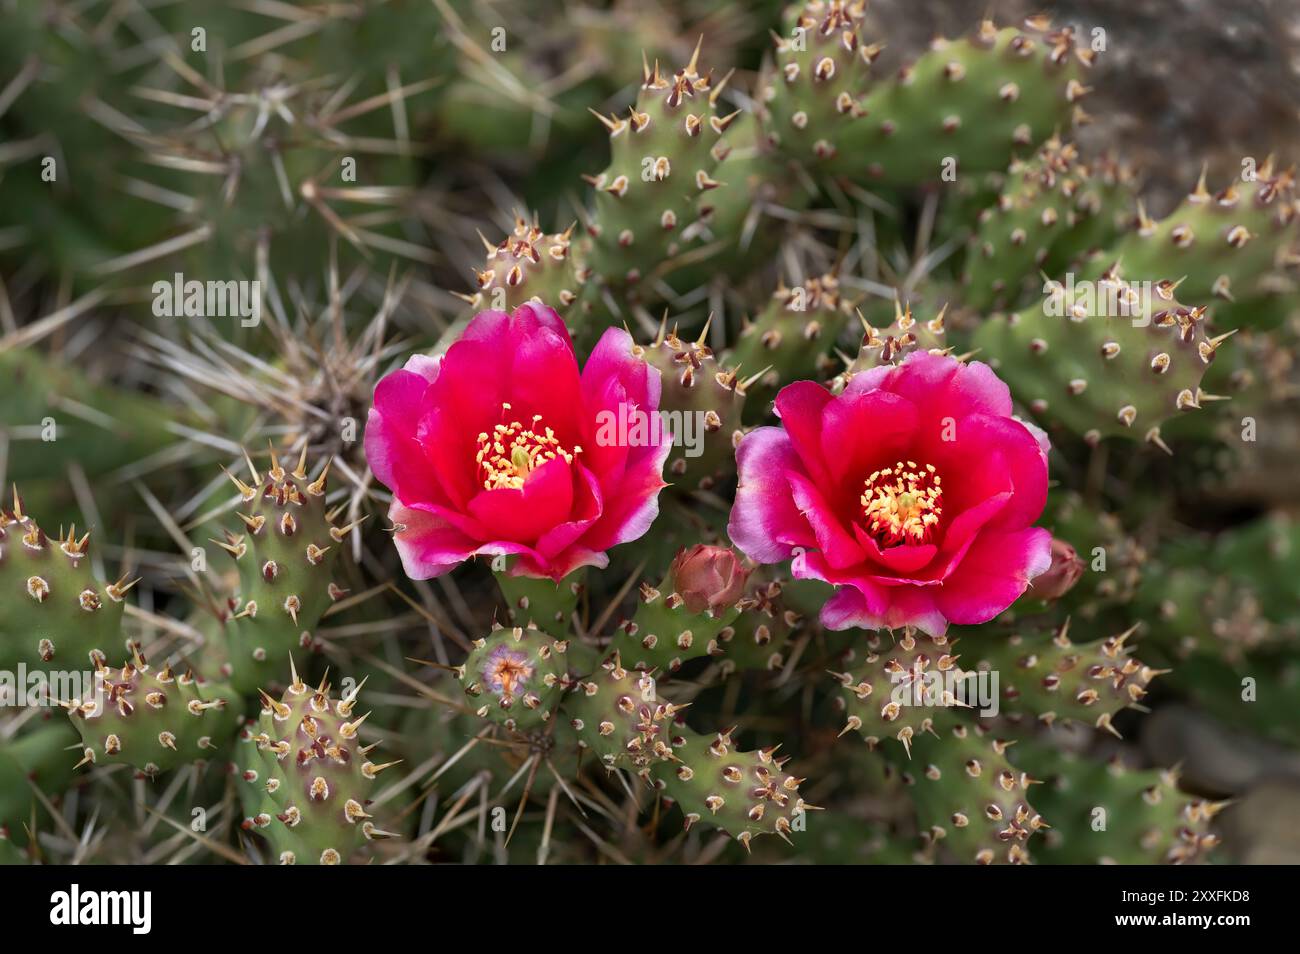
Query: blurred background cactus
768	192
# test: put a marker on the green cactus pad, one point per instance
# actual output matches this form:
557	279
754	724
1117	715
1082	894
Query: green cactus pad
1108	814
10	854
528	264
539	601
890	345
743	793
663	157
1230	245
695	386
728	235
307	779
975	101
1054	208
664	633
516	677
901	691
619	716
1047	677
286	559
972	804
1089	359
792	338
153	720
1228	597
760	636
54	614
1115	559
821	73
43	755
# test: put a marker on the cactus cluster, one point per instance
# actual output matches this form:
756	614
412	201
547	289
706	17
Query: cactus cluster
1133	358
286	556
309	779
697	387
57	615
823	393
152	720
621	719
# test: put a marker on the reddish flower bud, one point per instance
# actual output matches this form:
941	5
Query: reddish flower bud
1061	576
708	577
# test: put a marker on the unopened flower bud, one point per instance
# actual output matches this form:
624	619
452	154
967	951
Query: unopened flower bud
1061	576
708	577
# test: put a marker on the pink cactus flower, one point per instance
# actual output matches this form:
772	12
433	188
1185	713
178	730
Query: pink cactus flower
913	492
492	448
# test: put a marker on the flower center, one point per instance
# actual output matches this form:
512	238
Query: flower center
506	671
513	451
902	504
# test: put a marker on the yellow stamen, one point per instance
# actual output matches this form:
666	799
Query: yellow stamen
902	504
512	451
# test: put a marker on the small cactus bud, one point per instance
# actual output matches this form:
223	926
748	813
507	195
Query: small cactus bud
708	577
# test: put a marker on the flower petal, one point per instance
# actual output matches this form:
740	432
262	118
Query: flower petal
429	546
994	573
940	386
800	406
835	543
588	504
992	455
616	379
900	560
862	602
522	516
631	507
765	523
861	433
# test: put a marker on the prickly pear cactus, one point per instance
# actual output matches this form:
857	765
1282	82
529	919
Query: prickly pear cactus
55	615
690	614
951	461
791	339
743	793
1227	243
822	70
890	345
902	690
153	720
698	393
1110	359
286	556
516	676
968	104
620	718
528	264
1111	814
972	803
1049	677
308	779
1054	208
663	155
